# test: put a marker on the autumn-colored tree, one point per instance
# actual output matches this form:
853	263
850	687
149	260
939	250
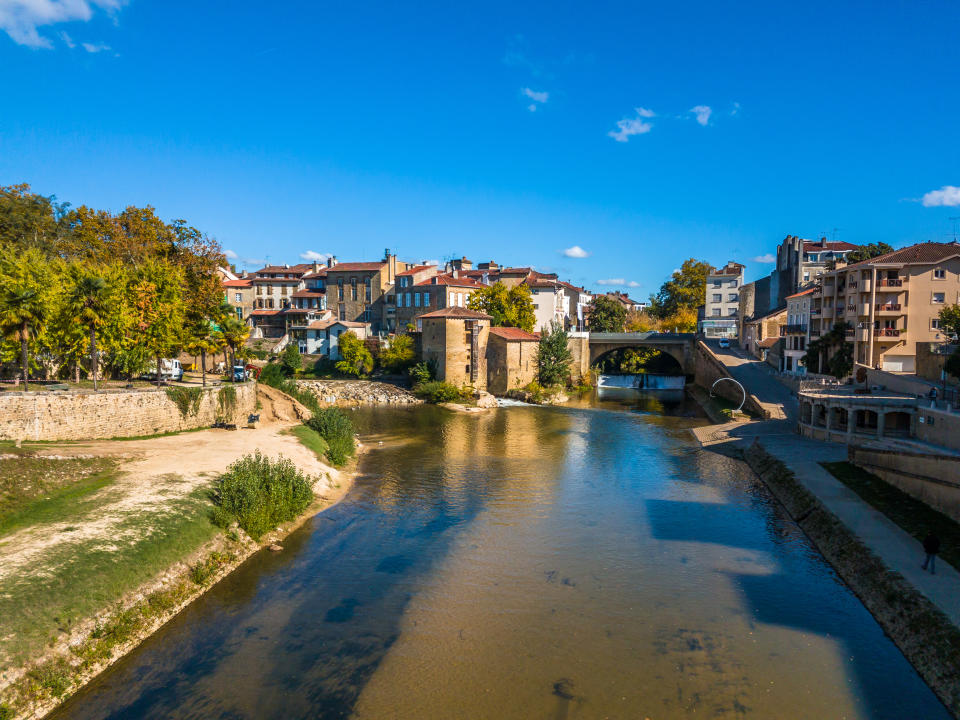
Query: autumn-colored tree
357	360
86	301
235	333
29	220
686	289
640	321
25	301
158	310
509	307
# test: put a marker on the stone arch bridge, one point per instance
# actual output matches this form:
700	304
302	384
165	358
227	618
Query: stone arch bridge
680	346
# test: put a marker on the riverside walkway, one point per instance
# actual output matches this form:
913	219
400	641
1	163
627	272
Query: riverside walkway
896	548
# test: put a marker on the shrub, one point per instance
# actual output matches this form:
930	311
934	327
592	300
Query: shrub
437	391
260	492
290	360
336	428
553	356
421	373
399	356
357	360
272	374
187	400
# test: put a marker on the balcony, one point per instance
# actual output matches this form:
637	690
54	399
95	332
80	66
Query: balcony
852	284
814	333
866	285
887	332
890	282
862	334
815	312
793	330
888	308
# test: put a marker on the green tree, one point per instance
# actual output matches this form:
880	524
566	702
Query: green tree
686	289
553	356
357	360
399	356
199	341
290	360
607	315
950	320
830	353
87	303
952	366
866	252
24	301
235	333
29	220
509	307
158	310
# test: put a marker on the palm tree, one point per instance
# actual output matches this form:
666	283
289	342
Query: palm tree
235	333
22	312
87	300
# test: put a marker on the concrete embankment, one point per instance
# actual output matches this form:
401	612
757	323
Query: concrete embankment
358	392
924	634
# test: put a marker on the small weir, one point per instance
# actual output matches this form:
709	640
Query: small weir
642	381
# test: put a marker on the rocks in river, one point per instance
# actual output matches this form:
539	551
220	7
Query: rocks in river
275	547
359	392
485	400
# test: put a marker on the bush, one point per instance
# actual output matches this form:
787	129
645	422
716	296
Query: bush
357	360
272	375
437	391
421	373
261	493
399	356
290	361
336	428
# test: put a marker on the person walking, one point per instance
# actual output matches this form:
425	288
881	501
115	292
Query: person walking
931	546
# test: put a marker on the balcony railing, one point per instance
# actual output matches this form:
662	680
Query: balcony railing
852	284
889	307
794	329
890	282
886	332
815	312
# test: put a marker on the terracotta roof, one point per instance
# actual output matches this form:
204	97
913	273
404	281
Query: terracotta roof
570	286
919	254
415	269
457	313
263	313
356	266
299	268
812	246
802	292
734	269
319	273
448	279
309	292
513	334
515	271
768	342
240	283
330	322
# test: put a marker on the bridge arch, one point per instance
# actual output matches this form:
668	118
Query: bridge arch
678	345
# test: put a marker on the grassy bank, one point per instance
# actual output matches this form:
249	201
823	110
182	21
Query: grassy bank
912	515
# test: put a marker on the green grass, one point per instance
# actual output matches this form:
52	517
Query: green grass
80	579
36	489
912	515
311	439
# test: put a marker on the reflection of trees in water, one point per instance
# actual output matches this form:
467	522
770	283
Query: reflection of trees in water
633	361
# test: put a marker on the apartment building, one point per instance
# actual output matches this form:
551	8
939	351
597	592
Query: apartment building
239	293
817	256
446	290
273	290
796	332
365	292
890	302
722	305
579	300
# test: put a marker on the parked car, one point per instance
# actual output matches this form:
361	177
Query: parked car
724	343
170	369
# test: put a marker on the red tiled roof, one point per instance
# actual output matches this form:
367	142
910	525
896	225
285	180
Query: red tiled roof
919	254
448	279
513	334
415	269
264	313
457	313
802	292
356	266
319	273
299	268
309	292
515	271
768	342
239	282
814	245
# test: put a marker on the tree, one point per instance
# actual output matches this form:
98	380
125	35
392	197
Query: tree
553	356
29	220
235	333
290	360
511	307
87	302
24	301
950	320
683	320
686	289
640	321
607	315
357	360
399	356
158	310
831	353
952	365
199	341
866	252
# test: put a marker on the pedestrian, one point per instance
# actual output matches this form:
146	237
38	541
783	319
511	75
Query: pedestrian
931	546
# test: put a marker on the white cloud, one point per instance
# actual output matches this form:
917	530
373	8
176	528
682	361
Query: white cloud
532	107
768	258
632	126
20	19
313	256
231	255
535	95
619	281
735	109
576	252
67	40
703	114
947	196
95	47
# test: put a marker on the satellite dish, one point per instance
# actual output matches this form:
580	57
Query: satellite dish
861	374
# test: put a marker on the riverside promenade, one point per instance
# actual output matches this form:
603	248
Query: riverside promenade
898	550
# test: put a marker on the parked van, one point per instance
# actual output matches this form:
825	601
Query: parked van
170	369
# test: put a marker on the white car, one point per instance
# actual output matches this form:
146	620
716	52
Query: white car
170	369
724	343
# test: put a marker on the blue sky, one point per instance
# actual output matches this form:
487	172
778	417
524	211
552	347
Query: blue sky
506	131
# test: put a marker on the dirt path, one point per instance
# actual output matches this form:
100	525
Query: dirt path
155	474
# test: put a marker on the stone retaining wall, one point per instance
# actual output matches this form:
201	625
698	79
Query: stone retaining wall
708	369
358	392
86	415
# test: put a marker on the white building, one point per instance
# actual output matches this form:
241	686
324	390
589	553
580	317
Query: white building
722	301
321	337
550	302
797	330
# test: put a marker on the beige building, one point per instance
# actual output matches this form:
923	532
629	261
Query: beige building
436	292
239	294
365	292
722	303
797	330
890	302
760	333
511	359
454	340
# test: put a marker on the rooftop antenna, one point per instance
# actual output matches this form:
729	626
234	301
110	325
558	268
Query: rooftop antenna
955	220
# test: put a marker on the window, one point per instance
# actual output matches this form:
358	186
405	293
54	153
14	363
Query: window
717	283
939	274
366	314
369	289
239	313
283	289
716	312
416	299
733	283
353	289
938	298
733	297
935	323
806	277
238	297
339	288
408	299
717	297
342	312
259	289
426	299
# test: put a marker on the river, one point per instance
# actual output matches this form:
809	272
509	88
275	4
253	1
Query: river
579	562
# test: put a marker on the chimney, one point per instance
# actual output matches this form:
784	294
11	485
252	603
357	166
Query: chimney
823	242
286	265
331	261
316	266
456	274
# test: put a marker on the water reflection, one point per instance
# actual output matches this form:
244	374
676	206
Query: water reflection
528	562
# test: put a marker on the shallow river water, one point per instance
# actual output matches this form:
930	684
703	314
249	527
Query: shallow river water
579	562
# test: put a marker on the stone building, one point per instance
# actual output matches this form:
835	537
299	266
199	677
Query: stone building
239	294
454	340
890	303
511	359
365	292
445	290
762	328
